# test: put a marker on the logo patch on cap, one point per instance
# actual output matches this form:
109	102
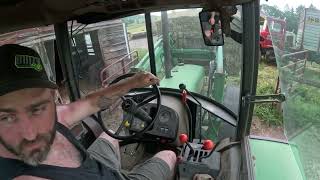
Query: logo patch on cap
27	62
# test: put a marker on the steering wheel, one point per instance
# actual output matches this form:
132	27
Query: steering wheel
135	109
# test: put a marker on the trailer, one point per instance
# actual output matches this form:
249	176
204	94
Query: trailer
276	26
308	36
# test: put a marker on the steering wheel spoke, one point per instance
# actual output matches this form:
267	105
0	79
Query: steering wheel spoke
146	101
119	129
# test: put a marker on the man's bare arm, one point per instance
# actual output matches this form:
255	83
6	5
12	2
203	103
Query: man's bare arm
73	113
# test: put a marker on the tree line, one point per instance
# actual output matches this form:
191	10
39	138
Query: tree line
291	15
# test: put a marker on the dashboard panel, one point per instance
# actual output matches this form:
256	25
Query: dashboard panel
173	108
165	126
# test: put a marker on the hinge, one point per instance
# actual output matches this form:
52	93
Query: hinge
270	98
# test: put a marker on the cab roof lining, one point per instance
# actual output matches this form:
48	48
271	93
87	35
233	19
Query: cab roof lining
22	14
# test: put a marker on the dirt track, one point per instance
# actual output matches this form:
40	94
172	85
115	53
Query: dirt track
259	128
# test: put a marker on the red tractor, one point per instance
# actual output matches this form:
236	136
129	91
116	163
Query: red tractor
278	27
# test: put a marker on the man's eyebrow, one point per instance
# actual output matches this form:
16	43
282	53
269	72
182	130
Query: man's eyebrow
10	110
7	110
38	104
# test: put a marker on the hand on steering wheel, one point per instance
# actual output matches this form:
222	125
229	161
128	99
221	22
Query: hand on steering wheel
135	108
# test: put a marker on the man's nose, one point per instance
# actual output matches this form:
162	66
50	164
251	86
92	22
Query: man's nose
27	128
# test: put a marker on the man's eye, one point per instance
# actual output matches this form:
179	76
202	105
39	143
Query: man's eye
38	110
8	118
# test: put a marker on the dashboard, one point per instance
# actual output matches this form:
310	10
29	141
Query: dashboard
173	118
165	127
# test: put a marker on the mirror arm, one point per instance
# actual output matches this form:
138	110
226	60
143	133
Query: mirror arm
236	36
226	17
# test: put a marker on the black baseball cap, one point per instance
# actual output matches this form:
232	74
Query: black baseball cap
21	67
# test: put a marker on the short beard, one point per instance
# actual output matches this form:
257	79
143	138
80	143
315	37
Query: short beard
35	157
39	155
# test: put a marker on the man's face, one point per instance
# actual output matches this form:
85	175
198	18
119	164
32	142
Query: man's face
27	121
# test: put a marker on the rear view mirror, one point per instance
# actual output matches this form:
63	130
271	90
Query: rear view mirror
211	28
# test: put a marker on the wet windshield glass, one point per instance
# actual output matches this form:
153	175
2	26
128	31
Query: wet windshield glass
183	58
299	72
212	71
105	50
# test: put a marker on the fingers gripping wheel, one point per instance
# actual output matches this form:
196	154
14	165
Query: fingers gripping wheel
135	109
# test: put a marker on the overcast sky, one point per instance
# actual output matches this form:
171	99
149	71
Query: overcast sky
292	3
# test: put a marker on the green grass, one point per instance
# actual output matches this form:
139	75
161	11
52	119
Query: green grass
233	80
303	106
136	28
267	80
304	101
268	113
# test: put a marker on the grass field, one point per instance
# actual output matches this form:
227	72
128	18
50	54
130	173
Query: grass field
136	28
267	80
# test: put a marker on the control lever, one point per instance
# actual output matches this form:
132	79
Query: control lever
184	90
130	106
184	140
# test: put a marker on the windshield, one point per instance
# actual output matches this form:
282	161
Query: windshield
182	57
105	50
299	73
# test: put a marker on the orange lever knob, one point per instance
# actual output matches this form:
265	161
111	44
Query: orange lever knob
183	138
208	145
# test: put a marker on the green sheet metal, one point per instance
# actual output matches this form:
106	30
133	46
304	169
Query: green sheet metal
199	54
144	63
191	75
274	161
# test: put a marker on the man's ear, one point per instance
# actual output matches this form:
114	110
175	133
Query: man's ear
53	92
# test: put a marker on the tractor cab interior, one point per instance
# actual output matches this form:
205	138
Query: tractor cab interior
196	48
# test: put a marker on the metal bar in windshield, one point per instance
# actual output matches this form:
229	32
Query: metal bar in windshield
64	52
250	56
150	43
166	44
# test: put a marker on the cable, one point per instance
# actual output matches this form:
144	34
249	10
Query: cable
190	120
183	87
184	102
80	29
77	28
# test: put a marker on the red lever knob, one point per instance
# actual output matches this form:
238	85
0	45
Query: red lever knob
184	96
208	145
183	138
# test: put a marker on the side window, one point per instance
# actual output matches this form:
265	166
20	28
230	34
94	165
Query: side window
103	51
213	127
